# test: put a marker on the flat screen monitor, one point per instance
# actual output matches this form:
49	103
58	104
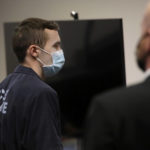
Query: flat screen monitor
94	64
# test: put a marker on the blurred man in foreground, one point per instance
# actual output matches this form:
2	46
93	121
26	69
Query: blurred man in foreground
120	119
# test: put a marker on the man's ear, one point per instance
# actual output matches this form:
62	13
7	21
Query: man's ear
33	50
146	20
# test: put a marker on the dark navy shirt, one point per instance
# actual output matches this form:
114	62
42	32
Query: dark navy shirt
29	113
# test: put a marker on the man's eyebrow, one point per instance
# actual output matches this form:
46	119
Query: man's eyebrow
58	43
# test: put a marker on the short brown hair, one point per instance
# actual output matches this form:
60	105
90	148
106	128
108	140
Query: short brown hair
31	31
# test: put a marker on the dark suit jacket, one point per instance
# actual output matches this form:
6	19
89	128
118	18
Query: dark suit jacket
120	120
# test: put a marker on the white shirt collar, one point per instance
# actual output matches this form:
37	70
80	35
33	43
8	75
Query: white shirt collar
147	73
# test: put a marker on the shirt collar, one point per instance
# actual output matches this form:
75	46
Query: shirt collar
147	73
25	70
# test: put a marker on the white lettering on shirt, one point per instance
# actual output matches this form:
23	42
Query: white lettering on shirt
3	103
3	107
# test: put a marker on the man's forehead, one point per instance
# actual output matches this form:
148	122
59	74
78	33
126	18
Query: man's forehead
52	33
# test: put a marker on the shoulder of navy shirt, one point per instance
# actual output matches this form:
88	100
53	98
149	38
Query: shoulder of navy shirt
26	82
29	97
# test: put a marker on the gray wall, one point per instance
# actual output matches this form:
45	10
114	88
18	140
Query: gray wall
130	10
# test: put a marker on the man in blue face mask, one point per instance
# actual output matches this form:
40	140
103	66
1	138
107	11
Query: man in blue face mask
53	63
29	108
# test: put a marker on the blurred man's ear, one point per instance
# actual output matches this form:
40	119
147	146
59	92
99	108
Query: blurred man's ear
146	20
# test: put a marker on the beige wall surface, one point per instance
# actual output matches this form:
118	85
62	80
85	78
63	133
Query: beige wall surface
131	11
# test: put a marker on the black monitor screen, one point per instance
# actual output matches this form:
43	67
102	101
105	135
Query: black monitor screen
94	56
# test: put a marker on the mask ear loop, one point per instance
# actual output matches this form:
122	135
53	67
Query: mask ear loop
46	53
40	61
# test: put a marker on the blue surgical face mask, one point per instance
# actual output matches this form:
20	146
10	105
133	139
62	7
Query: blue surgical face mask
58	61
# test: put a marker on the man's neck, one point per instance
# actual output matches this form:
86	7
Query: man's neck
147	63
35	67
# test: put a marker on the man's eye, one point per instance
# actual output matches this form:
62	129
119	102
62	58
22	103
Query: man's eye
57	46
